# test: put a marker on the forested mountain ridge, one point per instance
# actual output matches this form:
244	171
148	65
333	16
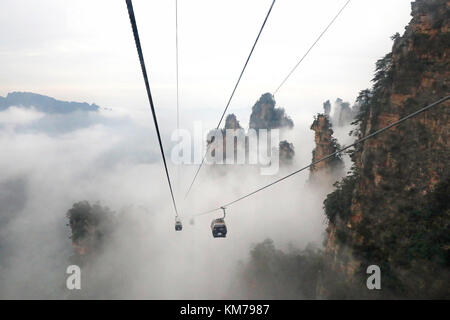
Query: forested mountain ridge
393	209
43	103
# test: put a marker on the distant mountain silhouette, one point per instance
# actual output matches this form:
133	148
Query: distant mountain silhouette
43	103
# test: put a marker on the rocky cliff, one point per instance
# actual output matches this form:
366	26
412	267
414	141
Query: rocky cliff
343	114
231	127
393	209
264	116
325	173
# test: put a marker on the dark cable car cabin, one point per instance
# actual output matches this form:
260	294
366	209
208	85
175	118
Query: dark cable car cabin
218	226
178	225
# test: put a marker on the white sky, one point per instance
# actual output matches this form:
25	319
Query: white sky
80	50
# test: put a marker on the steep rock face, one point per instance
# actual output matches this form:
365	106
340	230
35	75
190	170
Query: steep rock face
328	171
232	126
343	114
266	116
232	123
327	108
287	152
388	212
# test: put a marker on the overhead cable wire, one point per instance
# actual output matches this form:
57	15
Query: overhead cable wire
149	95
177	85
232	94
176	63
310	48
373	134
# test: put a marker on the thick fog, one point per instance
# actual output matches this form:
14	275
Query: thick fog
113	158
84	51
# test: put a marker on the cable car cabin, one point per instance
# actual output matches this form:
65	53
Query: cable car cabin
178	225
218	228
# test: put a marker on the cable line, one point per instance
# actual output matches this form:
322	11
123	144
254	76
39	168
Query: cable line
232	94
147	86
310	48
332	154
178	98
176	63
